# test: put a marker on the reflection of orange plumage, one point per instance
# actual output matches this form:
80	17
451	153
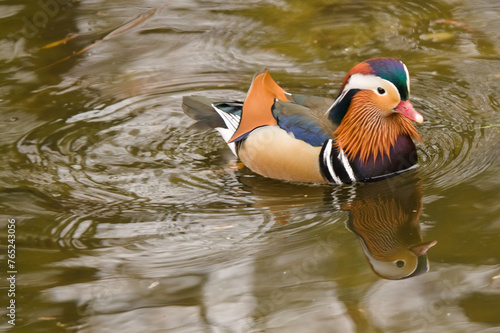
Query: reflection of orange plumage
386	223
383	215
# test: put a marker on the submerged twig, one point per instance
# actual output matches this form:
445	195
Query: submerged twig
110	35
59	42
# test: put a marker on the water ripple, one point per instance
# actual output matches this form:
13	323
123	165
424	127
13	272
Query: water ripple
458	144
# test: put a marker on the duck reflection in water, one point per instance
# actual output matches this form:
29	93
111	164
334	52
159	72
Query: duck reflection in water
383	215
385	218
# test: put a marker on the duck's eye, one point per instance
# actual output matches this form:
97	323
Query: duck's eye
400	263
381	90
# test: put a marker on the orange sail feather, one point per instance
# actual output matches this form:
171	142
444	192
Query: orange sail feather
257	106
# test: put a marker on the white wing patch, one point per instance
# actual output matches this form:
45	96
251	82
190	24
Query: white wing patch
232	122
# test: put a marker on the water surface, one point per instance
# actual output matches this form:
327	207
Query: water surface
129	218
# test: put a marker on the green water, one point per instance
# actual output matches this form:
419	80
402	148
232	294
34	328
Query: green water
130	219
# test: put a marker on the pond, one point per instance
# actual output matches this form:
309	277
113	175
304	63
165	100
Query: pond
128	218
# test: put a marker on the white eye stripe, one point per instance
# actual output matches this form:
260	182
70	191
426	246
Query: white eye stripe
365	82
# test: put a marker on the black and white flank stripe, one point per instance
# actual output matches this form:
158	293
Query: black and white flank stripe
335	165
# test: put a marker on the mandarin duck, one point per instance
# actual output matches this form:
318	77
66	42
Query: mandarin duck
365	134
384	217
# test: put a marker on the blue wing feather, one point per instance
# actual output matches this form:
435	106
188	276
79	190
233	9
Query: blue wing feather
305	124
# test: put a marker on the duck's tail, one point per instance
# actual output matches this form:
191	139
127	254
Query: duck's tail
223	116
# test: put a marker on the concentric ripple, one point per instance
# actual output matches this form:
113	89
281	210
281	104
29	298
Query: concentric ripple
458	139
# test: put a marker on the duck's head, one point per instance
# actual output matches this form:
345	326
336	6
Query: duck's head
373	108
382	82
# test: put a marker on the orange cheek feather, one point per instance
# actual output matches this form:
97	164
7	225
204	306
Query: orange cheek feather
386	102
